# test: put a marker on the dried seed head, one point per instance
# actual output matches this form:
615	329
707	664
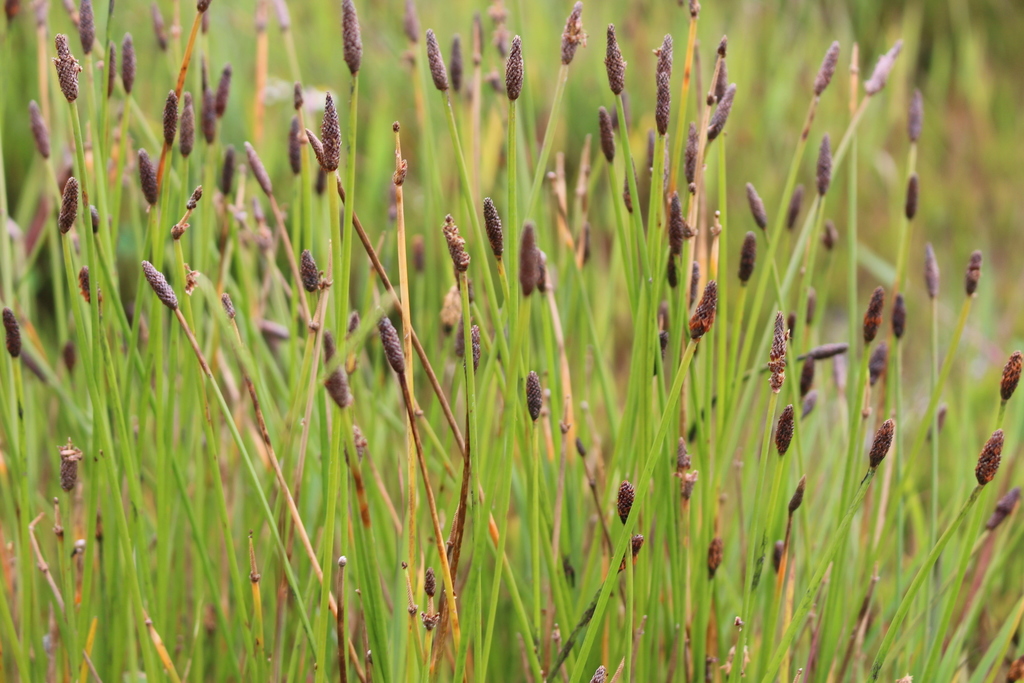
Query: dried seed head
514	69
298	98
683	461
127	63
159	284
147	178
748	256
899	316
411	22
686	486
86	26
227	172
111	68
456	68
663	109
534	395
259	171
777	354
1004	508
492	223
973	274
910	210
67	68
873	316
187	138
915	119
824	165
12	333
672	272
601	674
474	333
704	315
229	306
436	61
170	118
784	430
429	582
830	237
677	228
883	440
209	116
624	502
714	556
158	27
614	63
350	36
573	35
529	260
810	400
690	160
392	345
330	132
721	115
795	202
223	91
40	133
68	206
806	377
798	495
83	284
722	82
295	146
69	458
988	461
337	386
1011	376
757	207
878	362
695	281
604	121
827	70
456	245
827	350
931	271
882	70
309	272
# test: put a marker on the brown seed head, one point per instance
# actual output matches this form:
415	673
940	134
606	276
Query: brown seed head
40	133
86	26
663	108
111	68
777	551
229	306
318	150
456	69
350	36
827	70
529	260
806	377
147	178
973	274
910	209
223	91
624	502
721	115
392	345
604	121
882	70
309	272
338	388
722	82
677	228
411	22
67	68
810	401
1004	508
931	271
534	395
672	271
259	171
830	237
899	316
170	118
69	459
12	333
915	119
83	284
330	131
456	245
695	281
68	206
430	583
514	69
748	256
492	223
573	35
704	315
474	333
683	461
687	484
798	495
158	27
295	146
127	63
159	284
601	674
812	304
757	207
690	156
227	172
795	202
1011	375
784	430
827	350
614	63
824	165
436	61
988	461
873	316
187	138
878	362
714	556
777	354
883	441
208	116
202	5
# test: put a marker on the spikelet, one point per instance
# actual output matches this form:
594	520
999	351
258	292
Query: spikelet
295	146
690	156
534	395
601	673
158	282
67	68
915	118
784	430
86	26
714	556
624	501
828	350
436	62
111	68
223	91
147	178
474	333
411	22
336	384
309	272
529	260
456	69
806	377
614	63
812	304
830	237
910	208
798	495
704	315
883	441
229	306
12	333
777	551
187	126
1004	508
1011	375
573	35
795	202
873	315
827	70
392	345
353	43
158	27
68	206
456	245
882	70
824	176
127	63
514	70
83	284
227	172
721	115
69	459
40	133
208	116
899	316
202	5
604	121
878	362
677	228
259	171
931	271
722	82
810	401
695	281
757	207
430	582
988	460
663	80
492	224
973	274
170	118
748	256
777	354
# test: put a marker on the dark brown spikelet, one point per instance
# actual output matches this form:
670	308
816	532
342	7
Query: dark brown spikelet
973	274
988	461
202	5
883	441
170	118
793	210
392	345
436	62
694	282
722	82
320	184
663	80
514	70
810	401
193	200
777	354
748	256
672	272
298	97
336	383
690	156
111	68
86	26
159	284
529	260
223	91
830	237
676	225
899	316
227	171
827	70
1011	375
573	35
147	178
791	323
295	146
70	356
492	223
187	136
69	459
873	316
127	63
474	333
704	315
683	461
456	245
158	27
534	395
457	64
721	115
1004	508
777	551
83	284
309	272
411	22
259	171
624	502
798	495
209	116
12	333
604	121
784	430
601	673
40	133
430	582
806	377
330	132
614	63
828	350
910	209
878	362
931	271
714	556
229	306
882	70
68	206
915	118
350	36
757	207
67	68
824	165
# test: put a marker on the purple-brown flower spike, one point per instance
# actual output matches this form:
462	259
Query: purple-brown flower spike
988	461
883	441
534	395
353	43
514	70
614	63
704	315
392	345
